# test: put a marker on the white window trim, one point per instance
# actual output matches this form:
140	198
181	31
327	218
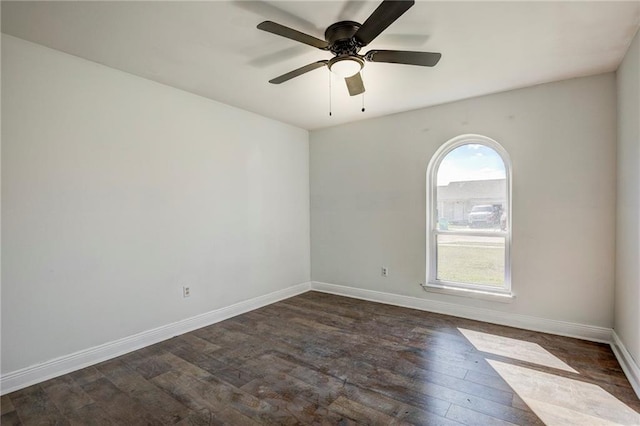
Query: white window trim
503	294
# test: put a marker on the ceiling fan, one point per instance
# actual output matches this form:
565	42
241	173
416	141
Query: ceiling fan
345	39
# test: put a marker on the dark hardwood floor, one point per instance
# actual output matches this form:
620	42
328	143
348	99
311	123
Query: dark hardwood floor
323	359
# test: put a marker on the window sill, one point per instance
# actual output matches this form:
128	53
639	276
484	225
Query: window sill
463	292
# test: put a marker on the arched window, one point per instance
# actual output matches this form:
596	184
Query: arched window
469	218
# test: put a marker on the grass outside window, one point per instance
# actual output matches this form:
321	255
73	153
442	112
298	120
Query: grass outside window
471	259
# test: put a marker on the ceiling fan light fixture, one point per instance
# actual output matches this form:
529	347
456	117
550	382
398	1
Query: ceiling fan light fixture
345	66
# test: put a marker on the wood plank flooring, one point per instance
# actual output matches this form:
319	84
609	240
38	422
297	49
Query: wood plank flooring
321	359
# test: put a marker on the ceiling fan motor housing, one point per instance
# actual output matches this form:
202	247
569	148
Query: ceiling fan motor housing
340	38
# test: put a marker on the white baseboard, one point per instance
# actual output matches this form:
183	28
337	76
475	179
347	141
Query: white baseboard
65	364
628	364
562	328
38	373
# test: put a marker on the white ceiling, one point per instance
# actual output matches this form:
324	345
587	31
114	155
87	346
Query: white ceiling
213	49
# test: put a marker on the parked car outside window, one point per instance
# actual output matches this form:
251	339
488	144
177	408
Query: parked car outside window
484	215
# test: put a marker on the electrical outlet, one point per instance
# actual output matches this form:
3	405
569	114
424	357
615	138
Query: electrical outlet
384	271
186	291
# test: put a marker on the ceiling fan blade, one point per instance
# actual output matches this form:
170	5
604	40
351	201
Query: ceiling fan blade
425	59
298	72
290	33
355	84
380	19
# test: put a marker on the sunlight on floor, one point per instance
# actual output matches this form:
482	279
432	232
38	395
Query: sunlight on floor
562	401
556	400
515	349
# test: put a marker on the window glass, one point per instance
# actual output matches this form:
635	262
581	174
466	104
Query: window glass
471	188
471	259
469	192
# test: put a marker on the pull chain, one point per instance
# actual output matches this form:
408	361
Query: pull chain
362	94
329	93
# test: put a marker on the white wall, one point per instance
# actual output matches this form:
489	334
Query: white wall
368	197
627	298
116	191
